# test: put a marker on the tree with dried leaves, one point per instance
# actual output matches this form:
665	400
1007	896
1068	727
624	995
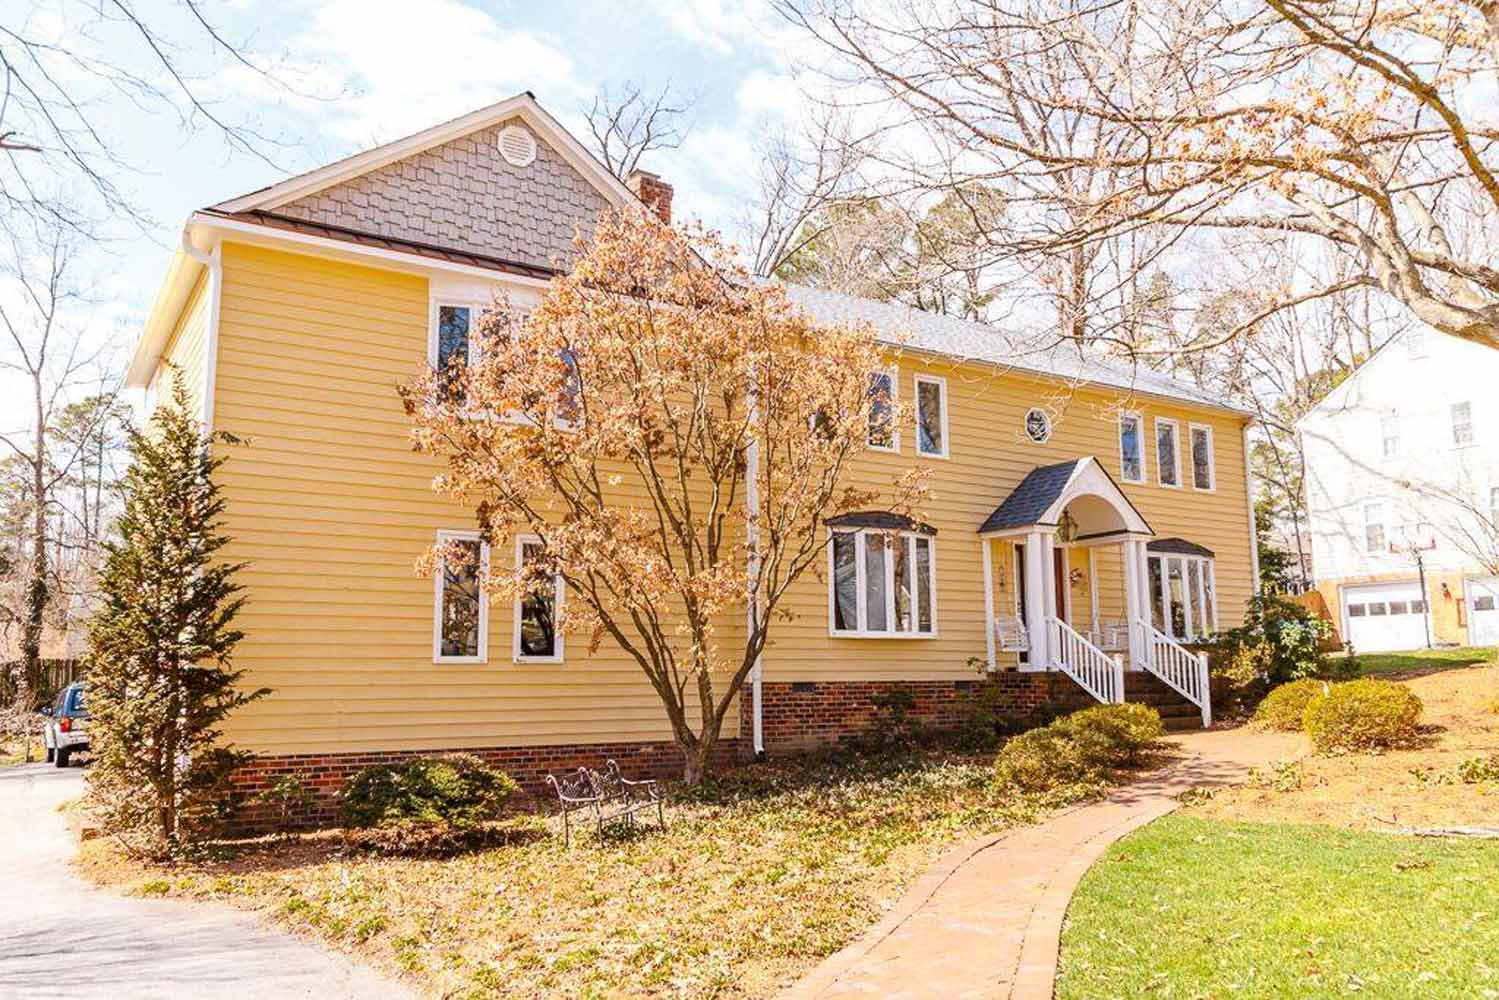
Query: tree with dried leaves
675	434
1367	127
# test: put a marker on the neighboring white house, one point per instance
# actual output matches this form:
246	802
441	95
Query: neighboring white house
1402	480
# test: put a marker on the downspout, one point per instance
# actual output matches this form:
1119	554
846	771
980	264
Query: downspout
1254	538
752	504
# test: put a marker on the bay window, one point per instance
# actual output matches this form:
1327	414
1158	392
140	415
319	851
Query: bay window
1182	600
882	583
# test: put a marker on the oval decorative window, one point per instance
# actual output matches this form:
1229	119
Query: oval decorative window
1037	425
517	146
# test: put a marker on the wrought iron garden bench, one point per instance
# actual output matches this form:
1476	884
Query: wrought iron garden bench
607	795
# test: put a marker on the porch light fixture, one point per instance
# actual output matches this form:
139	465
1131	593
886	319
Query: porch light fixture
1066	528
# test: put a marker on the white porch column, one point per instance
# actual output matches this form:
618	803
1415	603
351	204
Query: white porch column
1142	574
989	601
1131	598
1035	597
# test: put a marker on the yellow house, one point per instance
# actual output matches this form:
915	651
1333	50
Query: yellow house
1086	521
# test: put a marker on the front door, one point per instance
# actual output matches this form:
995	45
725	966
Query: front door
1059	573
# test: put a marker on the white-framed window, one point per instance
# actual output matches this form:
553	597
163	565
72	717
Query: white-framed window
882	584
451	333
1183	596
1204	468
1131	448
1494	506
460	612
1038	425
931	416
537	639
1374	533
1389	434
884	435
1168	452
1462	423
569	413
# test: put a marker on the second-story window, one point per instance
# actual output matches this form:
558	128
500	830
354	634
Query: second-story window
1168	465
1462	423
882	411
931	416
1389	433
1131	449
453	325
1202	457
1374	536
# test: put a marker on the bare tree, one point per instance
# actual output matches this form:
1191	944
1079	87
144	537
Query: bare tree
1363	126
630	122
56	149
53	361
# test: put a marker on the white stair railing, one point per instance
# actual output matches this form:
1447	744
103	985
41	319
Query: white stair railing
1181	669
1098	673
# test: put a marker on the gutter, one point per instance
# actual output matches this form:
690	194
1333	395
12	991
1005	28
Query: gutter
752	572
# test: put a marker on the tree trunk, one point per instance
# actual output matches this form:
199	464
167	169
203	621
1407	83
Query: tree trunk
35	605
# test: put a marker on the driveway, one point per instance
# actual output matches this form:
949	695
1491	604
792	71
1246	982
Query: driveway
61	937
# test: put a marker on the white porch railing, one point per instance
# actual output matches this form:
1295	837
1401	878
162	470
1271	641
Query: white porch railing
1099	674
1183	670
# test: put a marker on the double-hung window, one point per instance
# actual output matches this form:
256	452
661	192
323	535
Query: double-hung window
1167	452
1462	424
883	434
882	583
1203	469
1131	448
1182	599
452	334
537	638
931	416
1374	534
460	614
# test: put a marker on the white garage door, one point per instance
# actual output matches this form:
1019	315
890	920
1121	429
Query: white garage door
1385	616
1483	612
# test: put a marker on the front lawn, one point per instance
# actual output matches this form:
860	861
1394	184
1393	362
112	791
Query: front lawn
1424	660
1191	907
748	887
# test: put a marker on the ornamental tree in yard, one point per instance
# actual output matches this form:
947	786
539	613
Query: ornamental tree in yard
160	681
675	434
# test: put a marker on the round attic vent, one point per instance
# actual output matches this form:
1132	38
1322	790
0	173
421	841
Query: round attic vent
517	146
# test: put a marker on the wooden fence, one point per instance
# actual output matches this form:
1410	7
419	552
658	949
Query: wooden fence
56	675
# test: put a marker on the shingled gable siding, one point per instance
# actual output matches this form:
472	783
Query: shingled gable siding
464	196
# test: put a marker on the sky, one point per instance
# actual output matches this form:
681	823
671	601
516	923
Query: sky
347	75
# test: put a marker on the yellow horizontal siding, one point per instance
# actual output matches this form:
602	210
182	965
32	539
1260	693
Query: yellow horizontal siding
186	352
330	508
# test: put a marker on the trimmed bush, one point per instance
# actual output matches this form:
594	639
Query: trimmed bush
1079	748
1368	714
457	790
1114	735
1285	707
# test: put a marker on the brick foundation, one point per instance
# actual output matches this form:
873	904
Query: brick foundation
807	715
325	774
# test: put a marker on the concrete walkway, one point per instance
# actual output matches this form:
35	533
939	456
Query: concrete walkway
986	921
60	937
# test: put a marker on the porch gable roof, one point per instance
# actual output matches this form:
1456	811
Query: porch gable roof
1046	490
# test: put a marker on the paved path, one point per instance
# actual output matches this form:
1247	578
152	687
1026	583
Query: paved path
986	921
60	937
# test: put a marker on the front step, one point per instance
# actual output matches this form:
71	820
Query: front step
1177	713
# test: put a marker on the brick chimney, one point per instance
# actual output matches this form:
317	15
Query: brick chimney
653	191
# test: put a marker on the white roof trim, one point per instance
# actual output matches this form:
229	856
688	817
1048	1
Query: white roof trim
523	106
1089	479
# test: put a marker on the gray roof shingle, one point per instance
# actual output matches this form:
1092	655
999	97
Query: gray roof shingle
1179	546
903	325
1028	501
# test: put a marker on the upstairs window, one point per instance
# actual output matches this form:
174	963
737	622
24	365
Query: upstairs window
1131	449
882	412
537	639
1462	424
1168	466
461	614
931	416
883	584
452	335
1389	434
1203	470
1374	534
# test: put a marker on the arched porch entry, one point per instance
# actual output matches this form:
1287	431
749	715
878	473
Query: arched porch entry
1056	514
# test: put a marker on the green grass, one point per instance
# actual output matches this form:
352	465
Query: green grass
1424	660
1191	907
